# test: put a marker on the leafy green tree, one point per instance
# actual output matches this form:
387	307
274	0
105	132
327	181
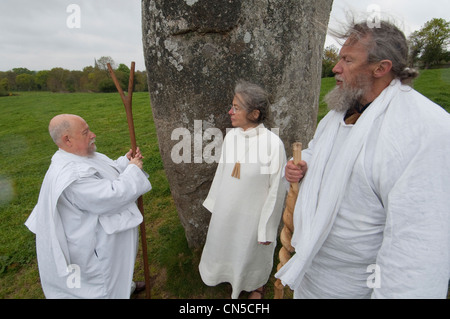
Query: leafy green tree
25	82
11	76
329	60
41	79
56	79
91	79
123	68
107	86
140	81
4	84
72	81
123	75
430	44
4	87
103	62
18	71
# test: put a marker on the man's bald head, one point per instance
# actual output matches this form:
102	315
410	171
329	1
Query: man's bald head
71	133
59	126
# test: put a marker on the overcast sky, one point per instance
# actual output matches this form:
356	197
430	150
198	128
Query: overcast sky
41	35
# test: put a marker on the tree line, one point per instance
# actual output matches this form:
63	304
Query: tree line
428	48
91	79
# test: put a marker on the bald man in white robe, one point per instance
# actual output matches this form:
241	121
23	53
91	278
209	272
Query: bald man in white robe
86	217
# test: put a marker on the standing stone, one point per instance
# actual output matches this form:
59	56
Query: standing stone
196	50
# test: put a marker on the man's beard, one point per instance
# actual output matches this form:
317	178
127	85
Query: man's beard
341	99
92	147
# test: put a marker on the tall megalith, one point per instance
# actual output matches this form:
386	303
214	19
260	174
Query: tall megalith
196	50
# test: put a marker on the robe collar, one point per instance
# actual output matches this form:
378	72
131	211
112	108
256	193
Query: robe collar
252	131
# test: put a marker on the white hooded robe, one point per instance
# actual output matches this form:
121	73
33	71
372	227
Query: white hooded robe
85	223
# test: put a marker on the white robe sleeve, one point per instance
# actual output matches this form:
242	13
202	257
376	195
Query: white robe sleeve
413	261
213	191
218	177
102	196
122	162
273	205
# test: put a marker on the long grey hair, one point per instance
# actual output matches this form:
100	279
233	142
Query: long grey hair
385	42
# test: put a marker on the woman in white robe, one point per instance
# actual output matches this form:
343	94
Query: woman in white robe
245	199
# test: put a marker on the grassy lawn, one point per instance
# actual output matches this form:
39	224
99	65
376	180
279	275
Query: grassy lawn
25	153
26	150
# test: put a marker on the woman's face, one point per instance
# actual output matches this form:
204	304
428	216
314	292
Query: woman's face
239	116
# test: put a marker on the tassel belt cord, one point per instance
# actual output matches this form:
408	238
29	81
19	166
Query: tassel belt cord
236	173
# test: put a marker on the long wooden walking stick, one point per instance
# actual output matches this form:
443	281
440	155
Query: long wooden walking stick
128	108
287	250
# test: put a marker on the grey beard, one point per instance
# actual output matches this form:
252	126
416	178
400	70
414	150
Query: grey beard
343	99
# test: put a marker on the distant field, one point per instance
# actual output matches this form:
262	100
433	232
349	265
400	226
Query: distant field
25	153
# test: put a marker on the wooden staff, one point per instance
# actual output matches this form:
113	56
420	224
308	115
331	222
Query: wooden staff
127	103
287	250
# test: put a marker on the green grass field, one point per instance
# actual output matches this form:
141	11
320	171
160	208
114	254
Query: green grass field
25	153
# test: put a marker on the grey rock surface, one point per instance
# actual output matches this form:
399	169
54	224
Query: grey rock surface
196	50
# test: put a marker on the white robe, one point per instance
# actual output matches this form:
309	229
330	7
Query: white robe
372	219
244	211
85	223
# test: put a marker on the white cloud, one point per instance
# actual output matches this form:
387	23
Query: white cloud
34	34
408	15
